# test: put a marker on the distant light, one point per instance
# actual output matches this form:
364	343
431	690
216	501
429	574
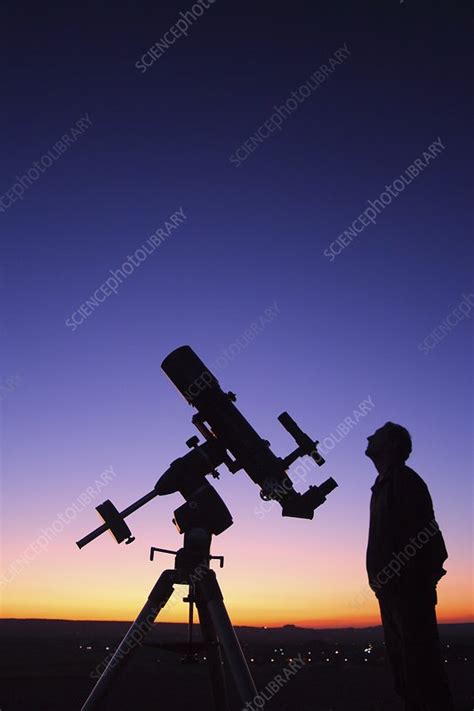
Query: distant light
327	659
345	659
272	660
252	659
336	652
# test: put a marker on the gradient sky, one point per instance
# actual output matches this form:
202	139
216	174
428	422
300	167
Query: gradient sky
254	236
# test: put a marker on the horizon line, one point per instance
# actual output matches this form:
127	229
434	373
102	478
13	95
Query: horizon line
257	627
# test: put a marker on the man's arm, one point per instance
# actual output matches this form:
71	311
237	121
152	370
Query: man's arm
419	541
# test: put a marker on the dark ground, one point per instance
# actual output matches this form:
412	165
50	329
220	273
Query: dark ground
46	667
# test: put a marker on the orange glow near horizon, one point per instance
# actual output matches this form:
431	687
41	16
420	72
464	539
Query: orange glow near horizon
98	588
277	572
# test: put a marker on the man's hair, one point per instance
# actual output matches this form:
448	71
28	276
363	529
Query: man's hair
401	439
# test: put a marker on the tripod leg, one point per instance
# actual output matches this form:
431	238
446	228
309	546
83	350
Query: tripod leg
214	658
157	599
211	592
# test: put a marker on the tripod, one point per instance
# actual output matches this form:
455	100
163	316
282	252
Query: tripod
192	569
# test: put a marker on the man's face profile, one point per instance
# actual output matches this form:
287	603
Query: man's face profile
377	442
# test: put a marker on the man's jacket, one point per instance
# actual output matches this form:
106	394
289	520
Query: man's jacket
406	550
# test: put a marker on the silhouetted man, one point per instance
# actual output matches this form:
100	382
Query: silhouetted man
405	556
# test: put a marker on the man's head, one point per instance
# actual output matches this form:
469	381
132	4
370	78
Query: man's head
391	443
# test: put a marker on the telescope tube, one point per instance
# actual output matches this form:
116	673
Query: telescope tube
201	389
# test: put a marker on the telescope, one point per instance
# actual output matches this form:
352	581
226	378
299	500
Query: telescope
229	439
